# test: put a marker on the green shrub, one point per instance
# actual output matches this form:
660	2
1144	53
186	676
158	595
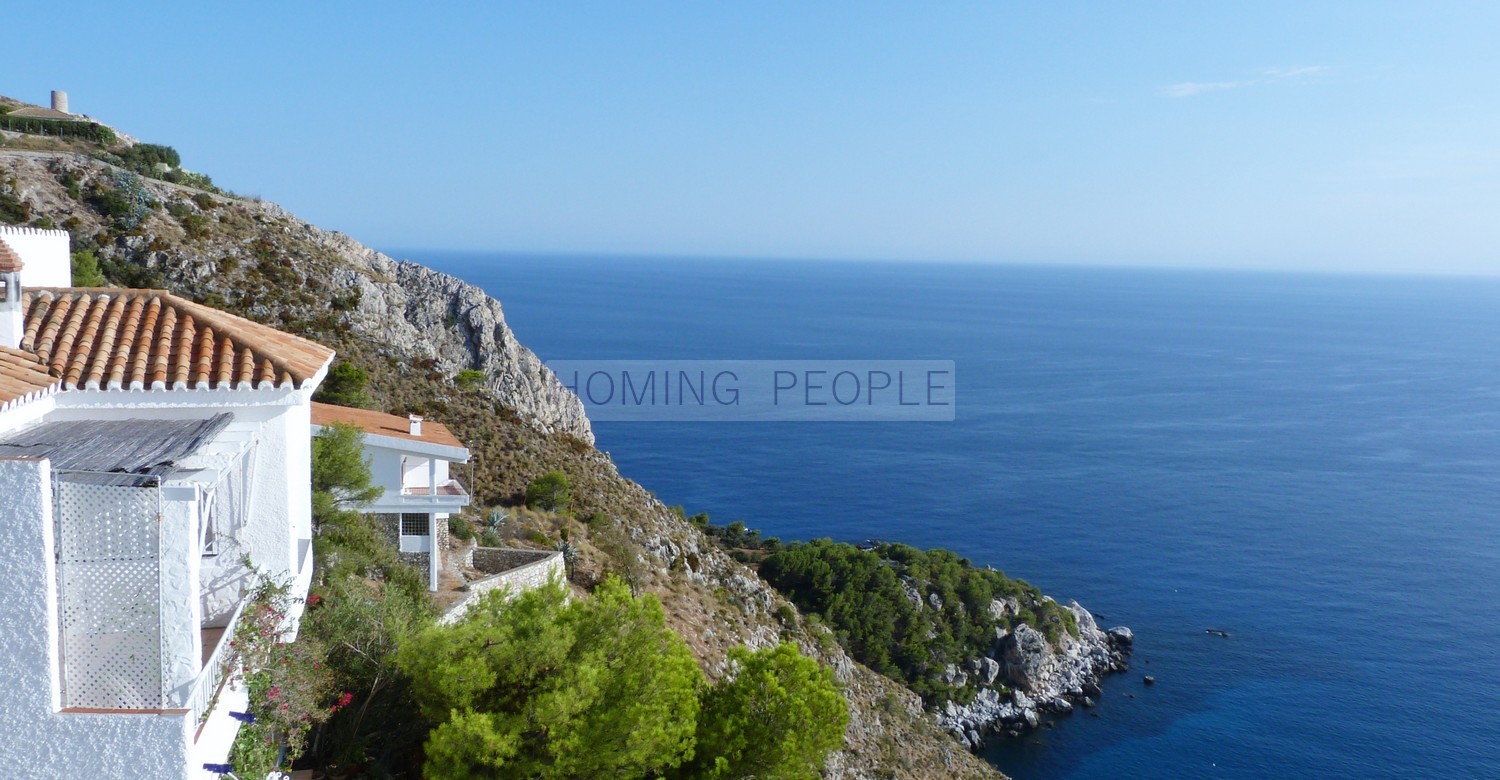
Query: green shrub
14	210
345	386
195	225
60	128
71	182
459	528
144	158
551	491
86	271
548	686
469	378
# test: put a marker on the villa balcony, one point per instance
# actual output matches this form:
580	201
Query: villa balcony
449	489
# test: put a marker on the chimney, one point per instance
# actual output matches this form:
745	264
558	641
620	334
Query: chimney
12	317
59	101
416	424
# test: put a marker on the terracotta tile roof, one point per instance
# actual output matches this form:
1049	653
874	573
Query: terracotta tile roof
382	424
9	260
150	339
22	377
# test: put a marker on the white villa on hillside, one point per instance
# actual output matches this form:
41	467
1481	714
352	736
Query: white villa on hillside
148	447
410	458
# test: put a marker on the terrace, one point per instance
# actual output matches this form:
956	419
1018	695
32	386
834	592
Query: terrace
149	521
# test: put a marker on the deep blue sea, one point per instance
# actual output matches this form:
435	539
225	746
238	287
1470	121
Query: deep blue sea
1311	463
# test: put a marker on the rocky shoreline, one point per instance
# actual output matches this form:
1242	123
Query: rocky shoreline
1026	676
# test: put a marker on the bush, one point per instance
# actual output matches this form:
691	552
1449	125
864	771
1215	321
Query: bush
345	386
144	158
551	491
778	715
469	379
86	271
195	225
14	210
459	528
544	686
61	128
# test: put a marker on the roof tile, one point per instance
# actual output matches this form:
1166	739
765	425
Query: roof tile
10	262
151	339
22	376
382	424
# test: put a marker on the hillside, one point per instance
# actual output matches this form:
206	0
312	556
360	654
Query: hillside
413	330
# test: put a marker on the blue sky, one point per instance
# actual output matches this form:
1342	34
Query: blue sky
1319	136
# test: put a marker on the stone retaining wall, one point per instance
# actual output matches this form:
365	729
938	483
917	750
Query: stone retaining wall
517	570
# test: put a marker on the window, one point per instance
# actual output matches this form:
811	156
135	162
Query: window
415	524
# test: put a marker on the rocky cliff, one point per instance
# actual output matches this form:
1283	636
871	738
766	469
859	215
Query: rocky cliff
1026	676
236	251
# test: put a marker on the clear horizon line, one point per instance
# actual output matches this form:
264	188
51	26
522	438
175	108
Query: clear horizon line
409	253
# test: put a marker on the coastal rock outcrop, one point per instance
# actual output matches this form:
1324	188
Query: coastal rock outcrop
1039	676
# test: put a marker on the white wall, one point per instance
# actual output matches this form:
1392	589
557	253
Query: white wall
385	468
181	610
296	476
414	471
280	515
20	413
39	740
45	256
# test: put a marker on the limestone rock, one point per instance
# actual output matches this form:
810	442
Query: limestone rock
1025	653
1043	676
989	669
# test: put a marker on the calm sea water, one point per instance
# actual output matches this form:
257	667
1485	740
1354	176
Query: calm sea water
1311	463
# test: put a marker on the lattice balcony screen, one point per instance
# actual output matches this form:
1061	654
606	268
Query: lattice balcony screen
109	590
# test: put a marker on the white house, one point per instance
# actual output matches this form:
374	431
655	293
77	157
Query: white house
148	446
410	458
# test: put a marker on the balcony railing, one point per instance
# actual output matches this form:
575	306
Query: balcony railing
216	670
445	490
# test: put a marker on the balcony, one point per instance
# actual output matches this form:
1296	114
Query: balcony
448	489
216	671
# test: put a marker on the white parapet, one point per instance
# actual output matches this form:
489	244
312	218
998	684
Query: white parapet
45	255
